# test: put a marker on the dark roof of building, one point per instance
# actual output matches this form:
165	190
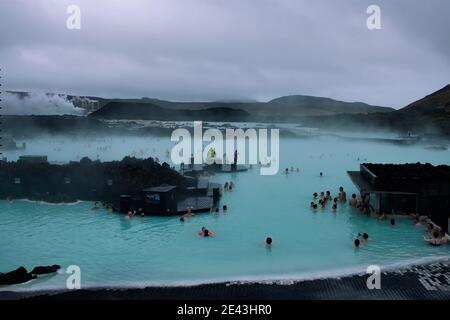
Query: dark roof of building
409	171
32	157
359	181
161	188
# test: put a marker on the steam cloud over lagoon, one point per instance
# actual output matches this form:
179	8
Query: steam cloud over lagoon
38	104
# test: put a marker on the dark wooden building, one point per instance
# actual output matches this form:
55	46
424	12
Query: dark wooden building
406	188
160	200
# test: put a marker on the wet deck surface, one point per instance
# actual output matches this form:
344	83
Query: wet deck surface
430	282
196	203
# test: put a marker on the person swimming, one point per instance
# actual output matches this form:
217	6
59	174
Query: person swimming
225	187
321	174
356	244
334	207
188	213
382	216
315	195
217	210
417	222
181	219
435	240
342	194
269	242
328	195
286	171
224	208
322	195
353	202
206	233
392	222
129	215
95	207
315	206
363	237
312	204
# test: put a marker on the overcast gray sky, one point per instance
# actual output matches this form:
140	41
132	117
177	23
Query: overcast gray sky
227	49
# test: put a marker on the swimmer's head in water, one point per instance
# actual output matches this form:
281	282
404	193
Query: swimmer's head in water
365	236
315	194
225	208
182	219
356	243
392	222
341	189
269	241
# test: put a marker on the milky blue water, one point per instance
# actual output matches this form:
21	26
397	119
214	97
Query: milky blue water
113	251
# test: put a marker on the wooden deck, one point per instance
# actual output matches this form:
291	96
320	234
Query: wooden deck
198	204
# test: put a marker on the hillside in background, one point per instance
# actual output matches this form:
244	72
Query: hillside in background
150	111
284	109
429	115
438	101
287	108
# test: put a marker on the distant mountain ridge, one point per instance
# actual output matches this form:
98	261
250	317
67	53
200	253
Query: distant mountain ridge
437	101
429	115
310	105
280	109
288	108
150	111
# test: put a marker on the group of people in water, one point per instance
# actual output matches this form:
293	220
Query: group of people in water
286	171
228	186
435	235
325	197
133	213
361	238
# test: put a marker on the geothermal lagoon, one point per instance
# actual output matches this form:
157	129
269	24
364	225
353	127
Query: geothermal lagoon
112	251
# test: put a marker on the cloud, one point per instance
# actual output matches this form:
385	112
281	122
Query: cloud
38	104
227	49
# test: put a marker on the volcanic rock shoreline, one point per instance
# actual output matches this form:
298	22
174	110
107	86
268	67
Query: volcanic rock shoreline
84	180
430	281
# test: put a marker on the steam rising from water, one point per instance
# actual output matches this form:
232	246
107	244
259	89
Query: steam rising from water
38	104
